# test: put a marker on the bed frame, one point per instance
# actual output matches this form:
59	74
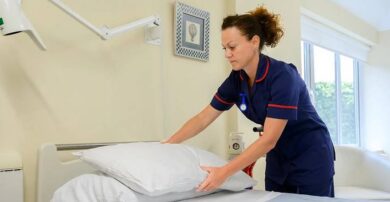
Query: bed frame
53	173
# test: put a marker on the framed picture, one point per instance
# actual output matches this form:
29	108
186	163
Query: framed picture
192	28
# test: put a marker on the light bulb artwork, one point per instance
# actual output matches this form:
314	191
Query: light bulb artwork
193	31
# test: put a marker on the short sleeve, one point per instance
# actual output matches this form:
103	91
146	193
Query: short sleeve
284	94
227	93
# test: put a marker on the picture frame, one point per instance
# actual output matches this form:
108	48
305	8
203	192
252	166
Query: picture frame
192	29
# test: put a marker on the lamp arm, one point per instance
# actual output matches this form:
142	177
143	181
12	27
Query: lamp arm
76	16
105	32
145	21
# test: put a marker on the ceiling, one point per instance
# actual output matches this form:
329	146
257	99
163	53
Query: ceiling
374	12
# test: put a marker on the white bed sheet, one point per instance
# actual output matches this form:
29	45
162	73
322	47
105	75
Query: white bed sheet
226	196
265	196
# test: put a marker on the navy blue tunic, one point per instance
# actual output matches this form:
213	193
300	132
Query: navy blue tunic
304	153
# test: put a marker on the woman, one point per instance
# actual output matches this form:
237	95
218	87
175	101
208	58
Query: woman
269	92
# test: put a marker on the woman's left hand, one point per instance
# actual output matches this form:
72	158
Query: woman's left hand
215	178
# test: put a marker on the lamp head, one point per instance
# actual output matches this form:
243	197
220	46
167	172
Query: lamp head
13	21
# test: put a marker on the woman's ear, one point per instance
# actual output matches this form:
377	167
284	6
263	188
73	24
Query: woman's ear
256	41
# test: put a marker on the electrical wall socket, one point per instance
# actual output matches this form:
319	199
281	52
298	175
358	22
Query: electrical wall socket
235	143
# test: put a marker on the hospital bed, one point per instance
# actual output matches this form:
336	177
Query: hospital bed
53	173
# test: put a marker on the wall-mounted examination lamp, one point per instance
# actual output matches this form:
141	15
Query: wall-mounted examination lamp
13	20
152	22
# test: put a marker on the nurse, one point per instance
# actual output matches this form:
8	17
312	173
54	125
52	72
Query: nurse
269	92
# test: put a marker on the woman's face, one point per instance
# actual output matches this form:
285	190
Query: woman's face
238	49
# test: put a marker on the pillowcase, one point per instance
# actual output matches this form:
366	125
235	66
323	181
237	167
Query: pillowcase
154	169
98	187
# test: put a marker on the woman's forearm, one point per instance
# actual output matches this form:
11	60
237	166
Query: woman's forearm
191	128
250	155
195	125
273	129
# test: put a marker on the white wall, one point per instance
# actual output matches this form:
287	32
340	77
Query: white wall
342	20
375	96
189	85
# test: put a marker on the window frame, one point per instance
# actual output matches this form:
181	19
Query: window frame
308	69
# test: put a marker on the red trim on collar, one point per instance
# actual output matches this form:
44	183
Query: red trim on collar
241	77
223	101
265	74
282	106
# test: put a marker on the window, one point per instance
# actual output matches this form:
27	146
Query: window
332	80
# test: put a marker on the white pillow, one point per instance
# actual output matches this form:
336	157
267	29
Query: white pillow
98	187
155	169
237	182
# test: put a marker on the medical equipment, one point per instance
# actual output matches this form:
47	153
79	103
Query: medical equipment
13	21
106	33
236	144
243	106
258	129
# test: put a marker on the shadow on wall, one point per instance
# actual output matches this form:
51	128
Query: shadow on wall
28	104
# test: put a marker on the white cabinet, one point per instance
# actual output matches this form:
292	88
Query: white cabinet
11	178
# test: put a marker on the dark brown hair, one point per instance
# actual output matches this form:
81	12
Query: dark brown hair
257	22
